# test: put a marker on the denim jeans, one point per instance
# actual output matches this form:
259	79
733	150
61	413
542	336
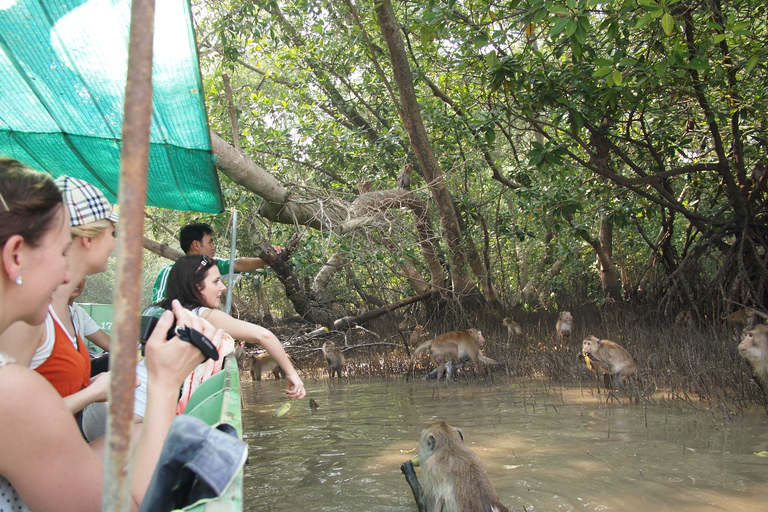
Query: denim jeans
197	462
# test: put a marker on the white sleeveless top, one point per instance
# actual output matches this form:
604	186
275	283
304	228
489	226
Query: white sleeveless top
9	499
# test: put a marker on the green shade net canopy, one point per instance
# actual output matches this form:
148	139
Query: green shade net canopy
63	66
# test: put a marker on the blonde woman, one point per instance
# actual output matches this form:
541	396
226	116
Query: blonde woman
60	354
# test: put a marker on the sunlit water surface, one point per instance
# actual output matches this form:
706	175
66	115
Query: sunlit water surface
545	448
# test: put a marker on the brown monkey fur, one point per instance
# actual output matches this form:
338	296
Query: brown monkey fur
754	347
610	357
513	328
684	320
416	336
564	327
454	345
453	476
745	317
334	357
264	363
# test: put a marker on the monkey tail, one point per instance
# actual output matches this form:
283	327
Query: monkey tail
416	351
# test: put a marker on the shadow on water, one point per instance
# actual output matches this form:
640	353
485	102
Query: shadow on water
545	448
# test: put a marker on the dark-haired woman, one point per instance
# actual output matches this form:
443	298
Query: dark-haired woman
195	281
45	464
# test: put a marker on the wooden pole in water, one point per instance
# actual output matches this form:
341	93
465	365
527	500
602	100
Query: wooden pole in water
132	198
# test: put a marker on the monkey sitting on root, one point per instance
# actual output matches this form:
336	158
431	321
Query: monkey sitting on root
453	478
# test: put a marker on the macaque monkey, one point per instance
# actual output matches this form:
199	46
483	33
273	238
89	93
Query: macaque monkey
454	345
513	328
610	357
334	357
564	327
416	336
684	320
364	187
453	478
240	350
263	363
362	308
404	180
742	317
754	347
407	322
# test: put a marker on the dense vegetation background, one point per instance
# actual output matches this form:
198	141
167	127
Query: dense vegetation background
564	154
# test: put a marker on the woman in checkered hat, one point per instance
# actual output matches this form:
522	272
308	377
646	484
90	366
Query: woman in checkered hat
45	464
60	354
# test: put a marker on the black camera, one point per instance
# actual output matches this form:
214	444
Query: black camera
149	321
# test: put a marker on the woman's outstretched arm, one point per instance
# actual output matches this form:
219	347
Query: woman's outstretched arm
247	331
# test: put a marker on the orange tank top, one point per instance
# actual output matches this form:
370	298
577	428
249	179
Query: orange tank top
67	368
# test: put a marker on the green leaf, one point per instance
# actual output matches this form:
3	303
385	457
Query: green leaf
570	28
602	71
481	40
644	20
698	63
616	77
559	25
752	63
668	24
603	62
558	9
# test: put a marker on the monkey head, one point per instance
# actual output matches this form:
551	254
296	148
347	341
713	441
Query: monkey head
435	436
478	335
754	343
591	345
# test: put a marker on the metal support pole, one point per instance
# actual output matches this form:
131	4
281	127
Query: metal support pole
231	275
130	229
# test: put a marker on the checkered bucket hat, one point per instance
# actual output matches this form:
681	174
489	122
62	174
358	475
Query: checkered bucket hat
85	202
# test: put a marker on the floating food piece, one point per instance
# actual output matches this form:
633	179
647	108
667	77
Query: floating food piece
282	410
312	404
761	454
415	461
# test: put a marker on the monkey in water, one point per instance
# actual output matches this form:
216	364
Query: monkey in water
264	363
453	478
610	357
513	328
754	347
454	345
334	357
564	327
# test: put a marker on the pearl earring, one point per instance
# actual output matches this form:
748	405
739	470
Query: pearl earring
18	280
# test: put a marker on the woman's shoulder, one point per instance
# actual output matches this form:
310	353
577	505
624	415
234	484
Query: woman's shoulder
23	387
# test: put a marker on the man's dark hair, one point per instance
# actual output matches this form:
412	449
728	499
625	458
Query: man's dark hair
185	281
192	232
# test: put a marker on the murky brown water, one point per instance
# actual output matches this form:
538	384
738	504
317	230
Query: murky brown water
545	448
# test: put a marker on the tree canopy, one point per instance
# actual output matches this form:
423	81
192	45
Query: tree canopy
544	136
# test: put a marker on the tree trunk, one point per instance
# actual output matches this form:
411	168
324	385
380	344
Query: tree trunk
609	277
411	116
